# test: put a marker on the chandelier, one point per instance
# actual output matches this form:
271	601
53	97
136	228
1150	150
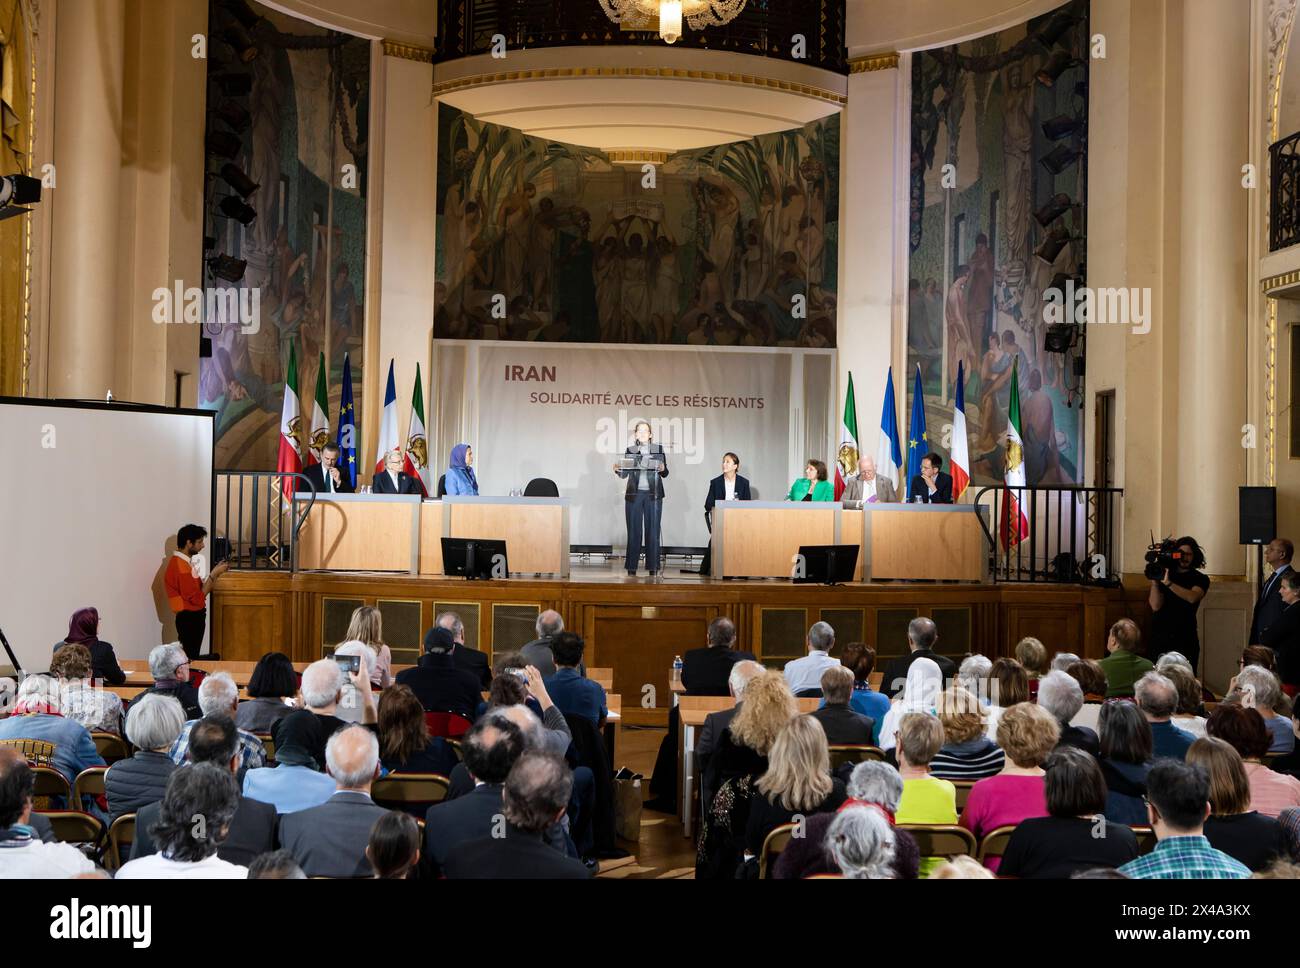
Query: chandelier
698	13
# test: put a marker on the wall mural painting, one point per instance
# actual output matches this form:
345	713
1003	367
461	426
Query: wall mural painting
734	245
999	196
295	99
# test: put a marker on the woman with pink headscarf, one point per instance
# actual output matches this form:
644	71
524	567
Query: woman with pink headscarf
83	629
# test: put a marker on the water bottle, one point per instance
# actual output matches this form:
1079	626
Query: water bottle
677	669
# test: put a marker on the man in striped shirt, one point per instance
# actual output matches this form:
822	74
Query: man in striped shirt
187	592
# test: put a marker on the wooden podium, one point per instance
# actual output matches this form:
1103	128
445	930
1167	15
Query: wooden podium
360	532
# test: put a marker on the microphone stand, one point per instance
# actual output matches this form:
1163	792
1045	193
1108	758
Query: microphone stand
13	659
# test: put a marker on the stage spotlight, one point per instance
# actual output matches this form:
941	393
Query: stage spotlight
223	144
232	207
1057	206
1060	158
225	267
15	192
1056	65
1051	32
1062	126
241	11
234	85
1061	337
234	177
1052	245
237	37
235	117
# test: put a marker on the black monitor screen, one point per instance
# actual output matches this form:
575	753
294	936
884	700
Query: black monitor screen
475	558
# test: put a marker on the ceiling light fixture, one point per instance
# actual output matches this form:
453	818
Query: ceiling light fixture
670	13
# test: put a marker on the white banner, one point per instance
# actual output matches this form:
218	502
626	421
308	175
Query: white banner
567	412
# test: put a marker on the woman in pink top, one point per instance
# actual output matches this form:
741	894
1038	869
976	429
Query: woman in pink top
1027	734
1246	732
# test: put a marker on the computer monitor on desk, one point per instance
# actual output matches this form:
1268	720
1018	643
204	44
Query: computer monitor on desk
825	564
475	558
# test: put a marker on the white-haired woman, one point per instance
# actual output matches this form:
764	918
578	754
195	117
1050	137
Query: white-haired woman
861	844
973	675
1257	687
38	715
152	725
357	704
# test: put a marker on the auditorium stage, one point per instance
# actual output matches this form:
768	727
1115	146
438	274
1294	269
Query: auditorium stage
636	626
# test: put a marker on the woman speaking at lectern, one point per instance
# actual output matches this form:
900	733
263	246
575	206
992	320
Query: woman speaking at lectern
644	497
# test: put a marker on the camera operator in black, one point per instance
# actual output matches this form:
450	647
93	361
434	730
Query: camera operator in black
1174	598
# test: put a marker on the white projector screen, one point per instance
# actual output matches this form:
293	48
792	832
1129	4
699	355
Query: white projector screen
91	498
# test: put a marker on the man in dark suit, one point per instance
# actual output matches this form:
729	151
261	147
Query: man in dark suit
1269	606
843	726
932	486
214	739
468	658
327	476
535	796
705	671
393	480
921	638
438	682
538	652
331	840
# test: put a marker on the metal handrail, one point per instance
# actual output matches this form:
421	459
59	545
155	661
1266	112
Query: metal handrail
265	547
1284	193
1051	551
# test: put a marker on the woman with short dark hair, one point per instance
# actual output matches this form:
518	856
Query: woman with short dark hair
1126	752
271	690
813	486
1074	836
394	847
860	658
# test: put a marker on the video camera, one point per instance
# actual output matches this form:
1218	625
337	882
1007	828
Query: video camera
1162	556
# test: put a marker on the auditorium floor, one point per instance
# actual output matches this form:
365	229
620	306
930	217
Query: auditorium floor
662	850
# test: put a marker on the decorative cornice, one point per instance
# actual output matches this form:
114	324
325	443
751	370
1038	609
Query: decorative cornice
750	80
1285	281
637	156
408	52
873	62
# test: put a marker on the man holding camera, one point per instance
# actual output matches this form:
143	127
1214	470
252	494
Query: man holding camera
1177	587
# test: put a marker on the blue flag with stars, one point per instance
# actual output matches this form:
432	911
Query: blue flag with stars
347	439
918	441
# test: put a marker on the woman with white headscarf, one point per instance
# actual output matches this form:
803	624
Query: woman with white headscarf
920	695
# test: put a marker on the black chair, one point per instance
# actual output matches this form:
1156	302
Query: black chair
541	487
442	487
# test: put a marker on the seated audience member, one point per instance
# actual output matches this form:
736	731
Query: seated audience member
404	742
716	723
23	853
219	696
967	752
313	725
534	797
705	671
1027	734
798	782
538	652
1189	714
1123	664
860	659
925	799
1062	661
1126	757
99	710
38	715
843	727
1245	731
861	843
330	840
528	691
1283	636
170	668
1073	836
187	848
1092	681
575	695
1032	654
394	847
804	675
467	657
367	627
1258	688
295	782
83	630
438	682
922	636
974	675
152	726
278	865
1010	684
271	690
872	784
1178	803
1158	699
357	702
961	868
920	695
215	740
1240	832
1257	655
1062	696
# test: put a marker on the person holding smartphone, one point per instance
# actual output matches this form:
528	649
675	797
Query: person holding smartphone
187	587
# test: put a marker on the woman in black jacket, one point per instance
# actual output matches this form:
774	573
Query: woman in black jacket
1283	636
152	725
83	629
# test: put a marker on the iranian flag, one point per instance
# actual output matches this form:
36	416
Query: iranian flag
320	416
959	456
417	445
290	459
846	462
1015	525
388	424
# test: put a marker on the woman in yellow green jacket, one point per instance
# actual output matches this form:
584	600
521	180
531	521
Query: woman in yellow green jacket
813	486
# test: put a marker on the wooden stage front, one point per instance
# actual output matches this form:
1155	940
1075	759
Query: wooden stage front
636	626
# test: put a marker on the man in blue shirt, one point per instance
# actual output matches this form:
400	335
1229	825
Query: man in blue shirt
572	694
1157	697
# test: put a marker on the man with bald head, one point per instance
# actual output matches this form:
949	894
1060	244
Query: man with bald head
466	657
330	840
869	487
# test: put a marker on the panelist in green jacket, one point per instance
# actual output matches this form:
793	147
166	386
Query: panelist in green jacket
813	486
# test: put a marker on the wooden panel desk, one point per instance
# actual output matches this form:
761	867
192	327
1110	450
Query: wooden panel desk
361	532
928	542
137	670
535	530
759	539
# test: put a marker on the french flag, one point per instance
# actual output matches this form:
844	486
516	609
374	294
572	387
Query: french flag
388	439
959	457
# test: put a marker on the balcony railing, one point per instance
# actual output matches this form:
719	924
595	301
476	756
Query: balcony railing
1073	534
1284	193
765	28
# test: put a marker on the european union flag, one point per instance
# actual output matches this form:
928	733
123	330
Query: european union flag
347	439
918	441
